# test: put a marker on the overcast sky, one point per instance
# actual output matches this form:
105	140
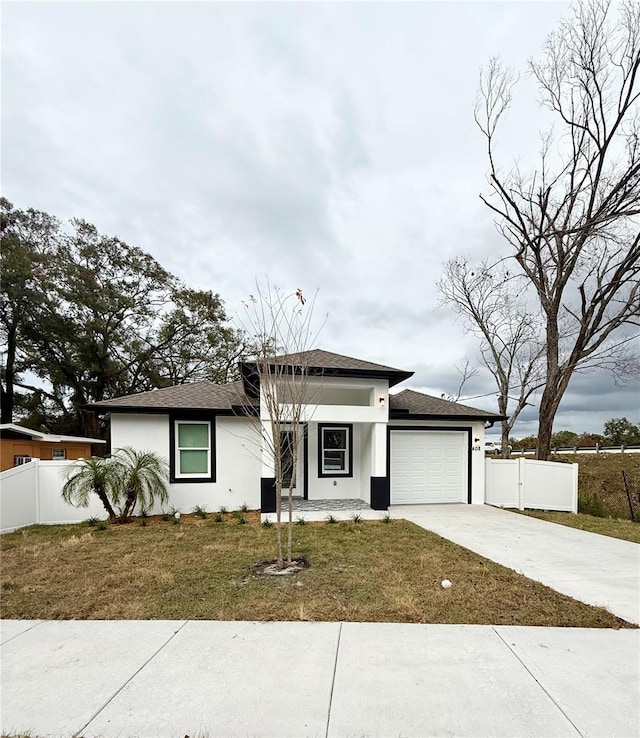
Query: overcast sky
330	146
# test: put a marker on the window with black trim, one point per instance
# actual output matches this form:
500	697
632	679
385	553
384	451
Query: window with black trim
192	449
334	450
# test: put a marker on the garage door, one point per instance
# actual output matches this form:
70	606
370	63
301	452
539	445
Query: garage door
429	467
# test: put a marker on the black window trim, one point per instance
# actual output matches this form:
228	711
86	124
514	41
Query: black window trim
336	426
175	418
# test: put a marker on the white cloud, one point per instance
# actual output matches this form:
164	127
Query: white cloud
328	145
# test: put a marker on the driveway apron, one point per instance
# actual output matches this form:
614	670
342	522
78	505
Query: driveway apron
594	569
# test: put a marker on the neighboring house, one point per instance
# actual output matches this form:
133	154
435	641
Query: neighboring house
359	441
19	445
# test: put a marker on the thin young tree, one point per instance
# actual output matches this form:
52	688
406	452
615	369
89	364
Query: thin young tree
281	326
572	220
488	300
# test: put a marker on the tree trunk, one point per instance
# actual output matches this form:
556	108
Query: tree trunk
548	407
279	555
105	501
504	453
6	392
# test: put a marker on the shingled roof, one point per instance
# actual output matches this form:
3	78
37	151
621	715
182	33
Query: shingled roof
194	396
410	403
327	364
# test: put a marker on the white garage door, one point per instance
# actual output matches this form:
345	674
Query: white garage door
429	466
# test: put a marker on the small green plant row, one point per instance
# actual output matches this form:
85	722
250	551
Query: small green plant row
330	520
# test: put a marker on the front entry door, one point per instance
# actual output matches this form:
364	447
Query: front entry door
291	476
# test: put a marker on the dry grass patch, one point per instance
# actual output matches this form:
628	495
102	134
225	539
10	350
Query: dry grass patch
623	529
199	569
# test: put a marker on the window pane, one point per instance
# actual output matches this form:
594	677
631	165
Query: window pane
335	438
193	435
193	462
334	461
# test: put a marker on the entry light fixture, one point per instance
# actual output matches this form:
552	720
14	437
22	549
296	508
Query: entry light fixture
381	401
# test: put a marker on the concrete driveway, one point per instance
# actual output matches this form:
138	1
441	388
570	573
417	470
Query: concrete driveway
331	680
595	569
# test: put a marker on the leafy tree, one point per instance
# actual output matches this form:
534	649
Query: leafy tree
572	221
91	318
27	245
564	438
620	430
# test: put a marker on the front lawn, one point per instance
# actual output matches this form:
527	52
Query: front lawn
200	569
624	529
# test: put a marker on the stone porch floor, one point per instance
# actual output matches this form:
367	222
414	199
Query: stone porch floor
301	505
313	510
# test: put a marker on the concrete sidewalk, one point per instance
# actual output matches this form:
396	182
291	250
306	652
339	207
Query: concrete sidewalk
595	569
208	678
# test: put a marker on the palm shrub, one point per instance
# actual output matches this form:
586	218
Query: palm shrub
141	477
92	476
121	481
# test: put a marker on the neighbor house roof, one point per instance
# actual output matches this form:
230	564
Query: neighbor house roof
48	437
327	364
410	403
202	395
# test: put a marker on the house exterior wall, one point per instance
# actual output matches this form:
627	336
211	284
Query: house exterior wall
36	449
477	449
236	460
336	488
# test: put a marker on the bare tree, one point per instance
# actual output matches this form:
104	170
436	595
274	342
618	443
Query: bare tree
488	300
281	326
572	221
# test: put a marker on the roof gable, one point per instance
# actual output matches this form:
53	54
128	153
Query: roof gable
322	363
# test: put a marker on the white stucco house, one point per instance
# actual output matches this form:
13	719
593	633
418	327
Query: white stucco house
359	440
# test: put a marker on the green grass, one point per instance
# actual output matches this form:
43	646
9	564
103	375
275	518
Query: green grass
369	571
623	529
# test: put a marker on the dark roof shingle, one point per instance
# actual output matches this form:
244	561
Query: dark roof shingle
202	395
411	403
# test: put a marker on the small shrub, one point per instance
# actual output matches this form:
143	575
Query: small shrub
142	522
92	522
241	519
301	521
101	525
590	504
331	519
356	518
200	512
217	518
144	512
166	517
222	510
266	523
387	519
174	514
244	507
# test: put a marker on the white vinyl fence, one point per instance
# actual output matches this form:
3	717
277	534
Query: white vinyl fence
32	493
528	483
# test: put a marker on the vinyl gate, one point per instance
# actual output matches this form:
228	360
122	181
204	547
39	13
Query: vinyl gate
528	483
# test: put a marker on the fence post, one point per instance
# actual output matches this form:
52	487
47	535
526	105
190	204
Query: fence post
37	463
574	497
521	489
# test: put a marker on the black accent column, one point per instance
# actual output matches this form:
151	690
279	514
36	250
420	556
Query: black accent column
380	493
267	494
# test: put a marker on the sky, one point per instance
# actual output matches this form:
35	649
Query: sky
328	146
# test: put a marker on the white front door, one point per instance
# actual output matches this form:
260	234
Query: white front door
429	466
